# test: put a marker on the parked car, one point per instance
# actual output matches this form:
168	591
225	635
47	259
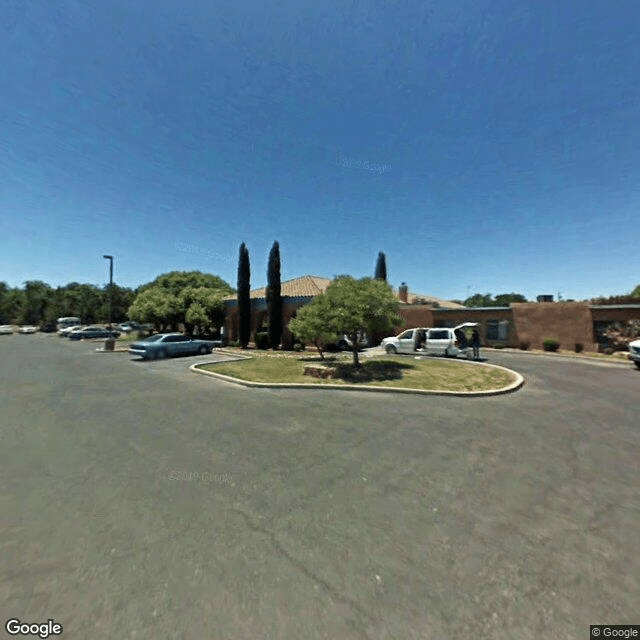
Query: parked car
442	341
6	329
64	333
634	352
130	326
93	332
163	345
48	327
68	322
345	344
27	328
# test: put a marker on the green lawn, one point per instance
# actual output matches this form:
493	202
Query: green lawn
432	373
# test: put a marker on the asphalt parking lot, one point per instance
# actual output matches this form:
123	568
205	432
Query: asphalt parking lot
140	500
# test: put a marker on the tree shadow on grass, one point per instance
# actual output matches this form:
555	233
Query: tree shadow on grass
371	371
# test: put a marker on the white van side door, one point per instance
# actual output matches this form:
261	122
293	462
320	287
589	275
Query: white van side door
405	341
438	340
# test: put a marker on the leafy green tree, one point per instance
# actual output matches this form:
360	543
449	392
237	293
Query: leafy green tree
157	307
360	306
204	309
166	301
4	294
13	303
311	324
244	296
36	297
381	267
176	281
121	299
274	297
505	299
479	300
636	292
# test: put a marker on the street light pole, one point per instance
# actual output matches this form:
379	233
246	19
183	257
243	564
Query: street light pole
110	258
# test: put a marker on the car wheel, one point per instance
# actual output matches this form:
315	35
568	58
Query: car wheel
202	350
637	363
162	353
390	349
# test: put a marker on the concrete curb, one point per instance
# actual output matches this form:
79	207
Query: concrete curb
514	386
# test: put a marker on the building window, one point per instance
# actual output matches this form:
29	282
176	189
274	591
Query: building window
497	329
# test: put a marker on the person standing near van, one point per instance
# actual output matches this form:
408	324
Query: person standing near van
475	344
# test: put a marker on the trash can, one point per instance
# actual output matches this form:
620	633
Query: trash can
109	344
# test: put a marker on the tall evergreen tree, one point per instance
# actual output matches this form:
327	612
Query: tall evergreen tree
274	297
244	298
381	267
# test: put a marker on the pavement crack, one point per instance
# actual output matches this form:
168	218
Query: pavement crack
334	593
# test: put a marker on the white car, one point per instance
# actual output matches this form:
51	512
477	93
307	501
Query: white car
6	329
27	329
437	341
67	330
634	352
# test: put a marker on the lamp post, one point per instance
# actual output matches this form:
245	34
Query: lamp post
110	343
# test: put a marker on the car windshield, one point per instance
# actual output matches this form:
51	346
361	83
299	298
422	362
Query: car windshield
153	338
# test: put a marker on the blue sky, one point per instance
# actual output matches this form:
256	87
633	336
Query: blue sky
483	145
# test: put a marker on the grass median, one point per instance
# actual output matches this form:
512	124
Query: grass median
432	374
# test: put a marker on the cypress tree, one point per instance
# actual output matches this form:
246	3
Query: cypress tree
381	267
274	297
244	298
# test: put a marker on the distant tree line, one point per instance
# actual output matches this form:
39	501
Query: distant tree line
487	300
190	299
38	303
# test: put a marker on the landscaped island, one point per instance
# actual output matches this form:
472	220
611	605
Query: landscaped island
385	371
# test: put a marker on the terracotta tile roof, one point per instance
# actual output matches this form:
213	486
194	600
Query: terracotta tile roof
305	286
416	298
311	286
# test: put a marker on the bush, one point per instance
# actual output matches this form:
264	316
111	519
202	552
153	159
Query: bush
298	347
262	340
579	347
234	343
524	345
550	344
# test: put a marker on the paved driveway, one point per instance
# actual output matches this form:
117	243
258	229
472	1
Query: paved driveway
141	501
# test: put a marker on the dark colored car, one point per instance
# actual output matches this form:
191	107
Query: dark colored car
93	332
163	345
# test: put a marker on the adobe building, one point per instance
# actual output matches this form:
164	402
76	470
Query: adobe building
295	294
571	323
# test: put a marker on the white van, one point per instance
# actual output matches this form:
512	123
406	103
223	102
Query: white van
436	341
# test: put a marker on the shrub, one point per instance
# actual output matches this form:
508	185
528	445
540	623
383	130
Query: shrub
579	347
262	340
234	343
298	347
524	345
550	344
